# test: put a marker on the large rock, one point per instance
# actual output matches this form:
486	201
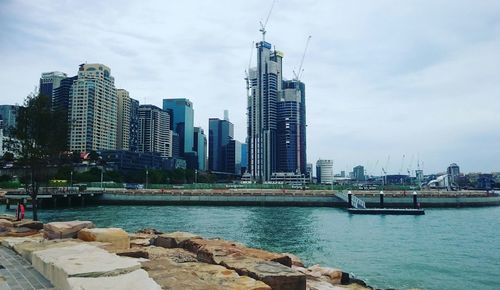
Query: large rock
10	242
176	255
20	232
63	230
296	261
209	250
82	260
137	279
6	223
173	240
198	276
31	224
274	274
141	240
26	249
116	236
8	217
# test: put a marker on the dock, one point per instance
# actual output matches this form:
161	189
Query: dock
387	211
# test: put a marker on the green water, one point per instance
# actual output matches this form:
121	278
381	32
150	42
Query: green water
445	249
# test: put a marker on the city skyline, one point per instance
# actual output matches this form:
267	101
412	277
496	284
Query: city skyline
376	86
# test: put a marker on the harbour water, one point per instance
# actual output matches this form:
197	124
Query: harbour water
445	249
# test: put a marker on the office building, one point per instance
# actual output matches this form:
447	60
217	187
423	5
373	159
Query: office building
154	132
276	128
244	157
49	81
358	173
93	109
324	171
61	95
220	133
453	172
200	147
134	126
123	118
233	157
8	115
1	139
182	118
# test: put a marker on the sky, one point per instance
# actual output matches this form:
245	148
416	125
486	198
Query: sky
389	83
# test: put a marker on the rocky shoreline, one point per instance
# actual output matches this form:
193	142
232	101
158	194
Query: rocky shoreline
77	255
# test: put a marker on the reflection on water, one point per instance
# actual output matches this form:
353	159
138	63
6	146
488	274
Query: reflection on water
445	249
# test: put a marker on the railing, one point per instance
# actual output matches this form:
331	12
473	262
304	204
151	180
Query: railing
356	202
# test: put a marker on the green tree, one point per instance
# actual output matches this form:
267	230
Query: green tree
42	136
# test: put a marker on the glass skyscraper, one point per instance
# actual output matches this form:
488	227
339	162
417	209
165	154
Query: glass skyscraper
182	122
220	134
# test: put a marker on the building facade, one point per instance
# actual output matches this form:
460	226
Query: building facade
200	147
123	118
276	120
49	81
220	133
324	171
134	126
182	119
154	132
358	173
8	115
93	109
233	157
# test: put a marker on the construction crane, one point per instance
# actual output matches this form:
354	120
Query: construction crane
263	25
298	74
247	71
384	169
410	165
402	164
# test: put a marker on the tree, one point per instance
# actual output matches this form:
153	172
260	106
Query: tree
42	136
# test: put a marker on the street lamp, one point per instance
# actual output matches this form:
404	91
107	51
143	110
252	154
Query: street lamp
147	173
196	176
71	180
102	177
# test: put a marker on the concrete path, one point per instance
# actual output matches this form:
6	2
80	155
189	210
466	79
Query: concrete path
17	274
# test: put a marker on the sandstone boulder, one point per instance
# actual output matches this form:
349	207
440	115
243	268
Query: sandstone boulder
296	261
274	274
209	250
176	255
10	242
63	230
6	223
117	237
141	240
8	217
31	224
332	275
82	260
137	279
198	276
173	240
20	232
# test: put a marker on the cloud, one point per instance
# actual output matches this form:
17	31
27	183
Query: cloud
382	78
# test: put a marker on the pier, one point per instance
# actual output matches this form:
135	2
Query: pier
53	198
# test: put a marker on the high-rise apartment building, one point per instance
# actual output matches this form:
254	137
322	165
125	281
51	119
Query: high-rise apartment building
220	133
200	147
154	132
324	171
49	81
93	109
123	118
233	157
182	116
276	118
134	125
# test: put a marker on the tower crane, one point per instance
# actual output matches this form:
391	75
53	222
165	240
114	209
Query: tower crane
298	74
402	164
263	25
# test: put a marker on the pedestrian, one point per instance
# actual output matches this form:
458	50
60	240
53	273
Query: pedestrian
20	211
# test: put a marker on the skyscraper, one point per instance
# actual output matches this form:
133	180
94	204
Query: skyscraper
359	173
276	134
182	116
154	132
123	118
93	109
134	126
8	115
50	81
60	95
220	133
200	147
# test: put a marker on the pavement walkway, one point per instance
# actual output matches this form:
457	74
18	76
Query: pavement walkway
17	274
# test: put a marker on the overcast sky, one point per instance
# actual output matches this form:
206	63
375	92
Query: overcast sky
383	78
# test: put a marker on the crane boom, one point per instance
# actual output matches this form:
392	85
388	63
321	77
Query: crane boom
300	71
263	25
